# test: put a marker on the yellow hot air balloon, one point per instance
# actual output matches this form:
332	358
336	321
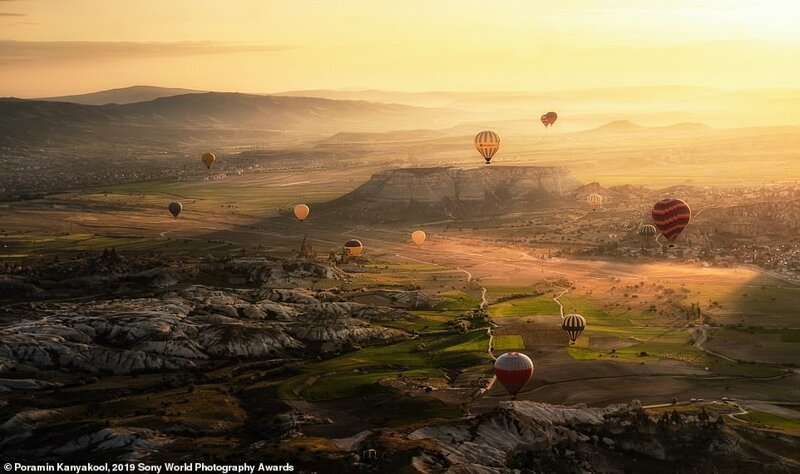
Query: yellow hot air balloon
208	159
353	248
594	201
487	144
418	237
301	211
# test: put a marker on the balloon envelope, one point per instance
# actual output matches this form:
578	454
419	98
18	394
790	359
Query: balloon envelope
549	118
671	216
573	324
513	370
175	208
594	200
301	211
418	237
353	248
208	159
487	143
647	231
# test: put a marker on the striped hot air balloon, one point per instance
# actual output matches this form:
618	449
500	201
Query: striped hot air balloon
671	216
513	370
573	324
594	201
487	143
647	232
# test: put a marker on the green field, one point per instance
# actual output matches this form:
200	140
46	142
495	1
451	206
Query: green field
766	304
769	420
520	307
357	373
508	342
636	336
457	301
253	192
424	321
26	244
474	341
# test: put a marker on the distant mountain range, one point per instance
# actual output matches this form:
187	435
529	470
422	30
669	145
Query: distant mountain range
628	126
124	95
579	109
173	117
202	117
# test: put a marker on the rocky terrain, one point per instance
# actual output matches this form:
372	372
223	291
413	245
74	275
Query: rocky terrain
182	329
107	357
445	192
527	436
68	353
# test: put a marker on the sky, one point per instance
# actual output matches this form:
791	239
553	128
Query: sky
57	47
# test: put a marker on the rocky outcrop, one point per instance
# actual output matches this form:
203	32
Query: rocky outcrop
410	193
182	329
752	220
123	443
264	270
537	437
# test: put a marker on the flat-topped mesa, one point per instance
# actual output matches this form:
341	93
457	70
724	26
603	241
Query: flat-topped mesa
448	192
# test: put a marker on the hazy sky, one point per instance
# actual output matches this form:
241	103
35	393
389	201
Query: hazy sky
53	47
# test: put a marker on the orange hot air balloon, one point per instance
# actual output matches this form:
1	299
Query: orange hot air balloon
208	159
549	119
353	248
487	143
513	370
594	201
301	211
175	208
418	237
671	216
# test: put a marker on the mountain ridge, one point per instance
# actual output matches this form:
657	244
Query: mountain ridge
122	95
199	117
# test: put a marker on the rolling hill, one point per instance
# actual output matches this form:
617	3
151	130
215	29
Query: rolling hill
196	118
124	95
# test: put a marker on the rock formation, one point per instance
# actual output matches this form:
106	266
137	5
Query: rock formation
412	193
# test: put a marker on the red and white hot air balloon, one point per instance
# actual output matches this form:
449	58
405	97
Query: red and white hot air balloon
513	370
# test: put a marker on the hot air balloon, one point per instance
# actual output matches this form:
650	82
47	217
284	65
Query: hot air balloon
513	370
208	159
175	208
301	211
671	216
487	143
573	324
418	237
594	201
549	119
647	232
353	248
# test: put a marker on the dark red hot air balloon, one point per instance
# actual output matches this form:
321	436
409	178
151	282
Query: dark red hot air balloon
513	370
671	216
549	119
